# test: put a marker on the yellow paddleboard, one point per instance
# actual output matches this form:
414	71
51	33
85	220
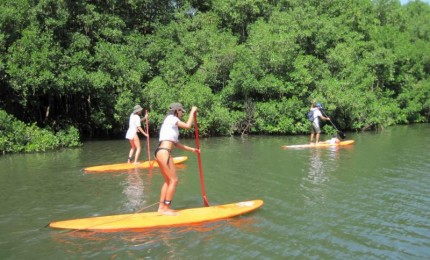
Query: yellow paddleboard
154	219
342	143
131	166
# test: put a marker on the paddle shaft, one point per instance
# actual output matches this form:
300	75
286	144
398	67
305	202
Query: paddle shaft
199	159
341	134
147	138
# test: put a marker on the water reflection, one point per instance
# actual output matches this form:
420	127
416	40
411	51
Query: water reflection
315	184
321	163
134	191
316	167
137	188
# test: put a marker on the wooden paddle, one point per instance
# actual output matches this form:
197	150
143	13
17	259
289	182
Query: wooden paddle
341	134
147	139
196	132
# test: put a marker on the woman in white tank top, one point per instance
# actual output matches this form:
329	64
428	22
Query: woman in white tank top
169	138
134	127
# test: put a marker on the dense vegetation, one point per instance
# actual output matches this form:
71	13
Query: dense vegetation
15	136
251	66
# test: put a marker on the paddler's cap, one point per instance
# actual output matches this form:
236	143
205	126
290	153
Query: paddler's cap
137	108
319	105
176	106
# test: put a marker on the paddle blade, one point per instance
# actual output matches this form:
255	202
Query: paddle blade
205	201
342	135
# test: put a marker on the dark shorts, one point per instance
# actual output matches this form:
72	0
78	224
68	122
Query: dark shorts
315	129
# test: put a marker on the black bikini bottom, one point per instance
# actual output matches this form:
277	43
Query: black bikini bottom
162	148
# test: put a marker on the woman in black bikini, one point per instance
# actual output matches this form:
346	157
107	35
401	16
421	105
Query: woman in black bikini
169	134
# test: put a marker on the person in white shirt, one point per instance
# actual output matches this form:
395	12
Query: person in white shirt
315	128
133	128
169	137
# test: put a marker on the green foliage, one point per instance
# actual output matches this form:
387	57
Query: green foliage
329	130
68	137
271	119
19	137
414	102
250	66
239	14
32	64
220	121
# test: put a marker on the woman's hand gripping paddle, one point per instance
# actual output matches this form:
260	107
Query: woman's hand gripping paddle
202	181
341	134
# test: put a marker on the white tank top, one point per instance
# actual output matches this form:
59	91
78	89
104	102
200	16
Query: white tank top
134	123
169	129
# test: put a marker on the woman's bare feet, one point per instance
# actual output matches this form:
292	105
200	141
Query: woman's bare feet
168	212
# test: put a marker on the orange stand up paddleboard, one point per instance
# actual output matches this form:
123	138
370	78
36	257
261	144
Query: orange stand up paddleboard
342	143
155	219
130	166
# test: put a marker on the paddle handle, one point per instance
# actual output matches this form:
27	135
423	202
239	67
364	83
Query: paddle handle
199	159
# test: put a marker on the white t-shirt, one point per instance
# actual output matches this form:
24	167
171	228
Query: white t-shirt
169	129
317	114
332	141
133	124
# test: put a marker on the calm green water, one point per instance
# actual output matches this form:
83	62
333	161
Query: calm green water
370	200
